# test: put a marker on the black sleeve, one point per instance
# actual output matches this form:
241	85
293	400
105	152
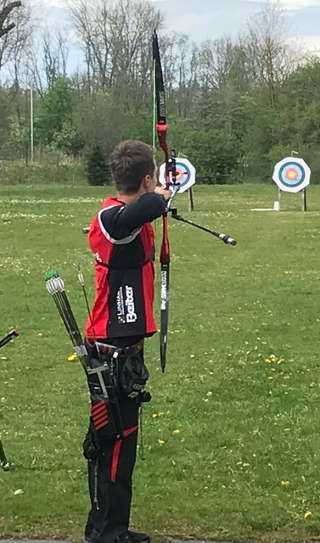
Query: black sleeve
120	221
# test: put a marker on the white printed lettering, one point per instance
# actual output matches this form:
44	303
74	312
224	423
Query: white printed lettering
131	314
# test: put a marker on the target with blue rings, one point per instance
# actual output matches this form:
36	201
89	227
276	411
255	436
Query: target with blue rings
183	173
186	174
292	174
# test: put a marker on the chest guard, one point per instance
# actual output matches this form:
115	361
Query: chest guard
124	278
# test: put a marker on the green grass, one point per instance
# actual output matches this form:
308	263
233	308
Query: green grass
232	436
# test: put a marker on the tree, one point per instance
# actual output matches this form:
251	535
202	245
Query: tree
214	153
5	12
96	167
268	58
116	41
55	110
15	29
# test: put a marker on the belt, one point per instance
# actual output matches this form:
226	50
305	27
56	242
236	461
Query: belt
110	350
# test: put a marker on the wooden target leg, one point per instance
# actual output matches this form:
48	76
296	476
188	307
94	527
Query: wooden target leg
279	198
304	200
191	205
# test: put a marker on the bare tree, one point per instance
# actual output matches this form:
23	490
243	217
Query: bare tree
219	61
116	41
15	34
268	57
5	12
54	56
47	59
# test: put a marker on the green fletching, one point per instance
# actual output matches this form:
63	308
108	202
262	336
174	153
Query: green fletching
51	274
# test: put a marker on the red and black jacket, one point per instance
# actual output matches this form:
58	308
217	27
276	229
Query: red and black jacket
124	268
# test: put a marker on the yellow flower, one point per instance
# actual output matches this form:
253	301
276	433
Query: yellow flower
157	415
177	431
161	441
3	358
285	483
273	359
72	357
307	514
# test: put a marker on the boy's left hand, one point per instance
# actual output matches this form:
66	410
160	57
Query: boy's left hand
165	192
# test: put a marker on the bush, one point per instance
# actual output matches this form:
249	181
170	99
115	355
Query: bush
96	167
16	173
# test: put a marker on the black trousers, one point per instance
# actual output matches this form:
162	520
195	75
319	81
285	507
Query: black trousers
110	478
110	467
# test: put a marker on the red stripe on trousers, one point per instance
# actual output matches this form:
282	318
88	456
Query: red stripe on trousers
99	414
116	452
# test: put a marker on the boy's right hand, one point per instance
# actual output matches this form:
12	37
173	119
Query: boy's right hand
165	192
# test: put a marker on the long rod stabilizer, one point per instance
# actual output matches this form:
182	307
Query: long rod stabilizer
223	237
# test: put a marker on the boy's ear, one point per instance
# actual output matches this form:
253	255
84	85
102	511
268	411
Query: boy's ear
146	181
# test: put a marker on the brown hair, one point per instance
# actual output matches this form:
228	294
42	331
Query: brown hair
131	160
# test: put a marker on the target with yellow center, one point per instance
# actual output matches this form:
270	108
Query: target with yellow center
292	174
186	174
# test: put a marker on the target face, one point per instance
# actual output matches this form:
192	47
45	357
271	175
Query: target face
291	174
186	174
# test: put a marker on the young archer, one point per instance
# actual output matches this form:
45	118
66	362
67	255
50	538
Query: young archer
121	239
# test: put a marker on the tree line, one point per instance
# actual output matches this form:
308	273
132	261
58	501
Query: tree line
235	105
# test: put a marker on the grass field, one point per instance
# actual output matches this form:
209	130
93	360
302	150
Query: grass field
232	440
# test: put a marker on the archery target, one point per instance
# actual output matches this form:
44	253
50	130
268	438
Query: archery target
291	174
186	174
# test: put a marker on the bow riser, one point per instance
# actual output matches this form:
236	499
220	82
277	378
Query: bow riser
170	176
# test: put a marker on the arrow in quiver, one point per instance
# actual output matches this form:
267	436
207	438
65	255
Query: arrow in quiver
55	287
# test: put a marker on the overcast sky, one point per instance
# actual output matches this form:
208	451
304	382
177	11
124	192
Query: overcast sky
202	19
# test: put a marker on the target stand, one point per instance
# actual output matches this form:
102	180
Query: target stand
303	192
292	175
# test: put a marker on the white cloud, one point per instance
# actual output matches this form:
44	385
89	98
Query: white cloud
306	44
298	4
291	4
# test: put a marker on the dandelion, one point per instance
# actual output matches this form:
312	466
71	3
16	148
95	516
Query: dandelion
307	514
177	431
284	482
242	464
72	357
273	359
3	358
161	441
157	415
